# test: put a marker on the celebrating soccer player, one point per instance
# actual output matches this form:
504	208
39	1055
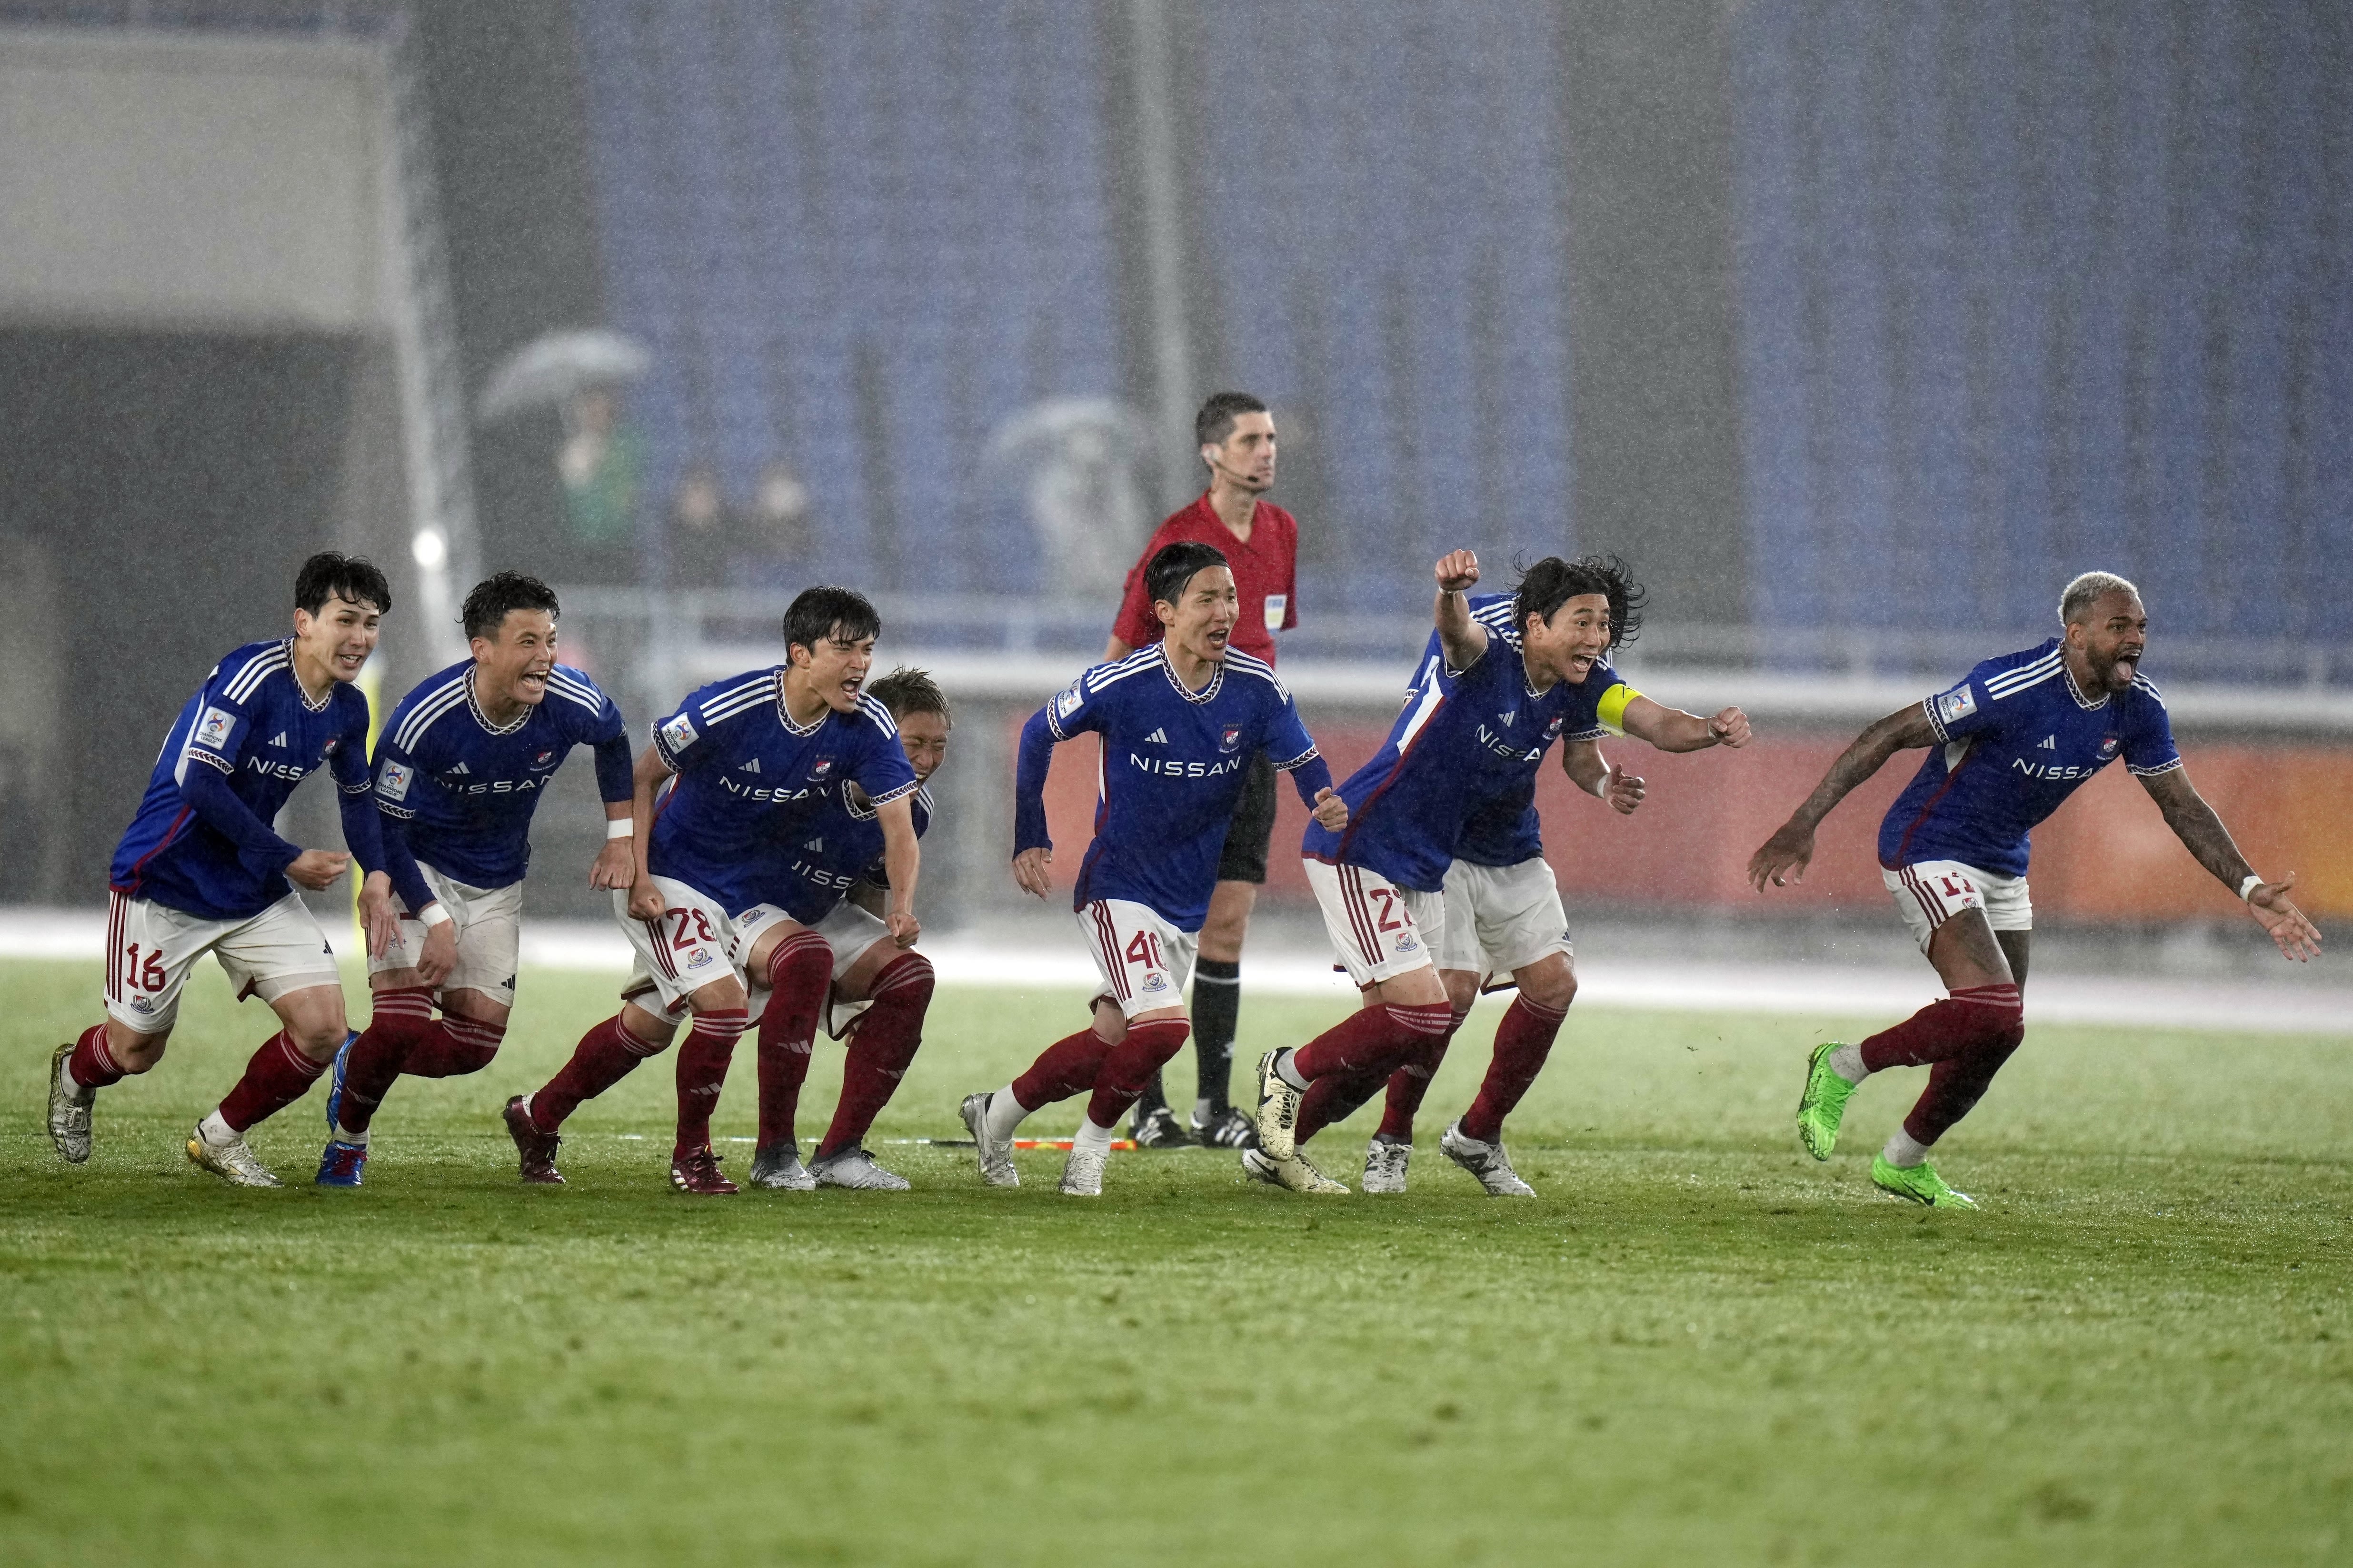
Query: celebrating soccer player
202	870
1260	544
1444	834
828	903
459	769
1180	723
2006	746
745	758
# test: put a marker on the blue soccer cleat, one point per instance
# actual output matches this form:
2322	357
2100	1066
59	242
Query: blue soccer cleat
340	1163
335	1087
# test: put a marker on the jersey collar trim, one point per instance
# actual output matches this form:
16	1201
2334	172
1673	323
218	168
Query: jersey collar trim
517	722
784	715
302	695
1195	698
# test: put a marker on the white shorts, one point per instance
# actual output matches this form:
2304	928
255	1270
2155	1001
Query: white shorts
692	945
1144	961
151	947
1930	892
490	937
850	931
1501	918
1379	929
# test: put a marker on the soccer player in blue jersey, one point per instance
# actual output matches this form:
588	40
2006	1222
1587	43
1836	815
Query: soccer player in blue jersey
1180	722
459	769
202	870
832	893
2006	747
736	766
1505	677
1502	908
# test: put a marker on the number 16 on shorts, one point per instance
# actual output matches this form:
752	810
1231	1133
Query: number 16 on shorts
1144	961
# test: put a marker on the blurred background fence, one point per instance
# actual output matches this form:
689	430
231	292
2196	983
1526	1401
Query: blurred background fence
1857	328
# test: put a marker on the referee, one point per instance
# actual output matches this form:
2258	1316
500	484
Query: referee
1261	542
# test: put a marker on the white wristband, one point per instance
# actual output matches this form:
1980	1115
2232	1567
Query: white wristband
434	915
1601	784
2247	889
619	827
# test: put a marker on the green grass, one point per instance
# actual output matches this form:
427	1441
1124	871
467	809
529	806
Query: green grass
1696	1345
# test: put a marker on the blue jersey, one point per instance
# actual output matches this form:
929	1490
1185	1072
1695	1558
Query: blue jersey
748	775
252	723
467	789
1465	751
2017	739
1173	765
824	858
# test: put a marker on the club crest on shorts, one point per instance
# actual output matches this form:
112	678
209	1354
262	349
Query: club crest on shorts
1154	982
1230	738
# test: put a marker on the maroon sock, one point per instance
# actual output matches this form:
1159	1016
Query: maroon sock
800	973
880	1047
1941	1029
1372	1040
1958	1083
1523	1040
702	1071
1411	1081
276	1077
1128	1066
92	1063
1067	1067
605	1056
402	1018
455	1046
1335	1097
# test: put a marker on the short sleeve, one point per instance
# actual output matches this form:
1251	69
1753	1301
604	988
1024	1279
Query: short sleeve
1961	710
1084	704
696	735
2148	745
396	777
882	769
1288	743
224	724
596	718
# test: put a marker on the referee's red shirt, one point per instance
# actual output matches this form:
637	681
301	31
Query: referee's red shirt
1263	573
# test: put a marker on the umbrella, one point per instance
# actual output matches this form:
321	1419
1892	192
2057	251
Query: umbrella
552	368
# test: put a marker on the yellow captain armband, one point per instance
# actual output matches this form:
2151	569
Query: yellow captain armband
1612	709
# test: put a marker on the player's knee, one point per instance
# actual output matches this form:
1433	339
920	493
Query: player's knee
907	979
1552	991
318	1041
132	1051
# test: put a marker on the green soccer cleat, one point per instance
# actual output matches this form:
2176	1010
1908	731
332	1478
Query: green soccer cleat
1823	1104
1919	1183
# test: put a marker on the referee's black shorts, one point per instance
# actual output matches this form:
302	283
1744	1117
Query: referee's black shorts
1244	856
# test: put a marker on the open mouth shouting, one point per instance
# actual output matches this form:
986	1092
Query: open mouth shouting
532	684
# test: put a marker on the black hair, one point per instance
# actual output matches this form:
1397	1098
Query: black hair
1551	583
496	597
1216	420
816	613
332	575
905	690
1174	565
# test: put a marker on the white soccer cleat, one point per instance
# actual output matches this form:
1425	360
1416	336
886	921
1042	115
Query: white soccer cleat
1385	1161
855	1168
68	1110
1485	1161
778	1168
232	1161
1278	1111
1296	1174
996	1154
1083	1173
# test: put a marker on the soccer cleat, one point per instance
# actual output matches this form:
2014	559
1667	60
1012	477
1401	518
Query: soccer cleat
778	1168
855	1168
1485	1161
1296	1174
69	1106
1230	1129
1159	1129
1278	1109
335	1088
1385	1161
696	1170
537	1149
340	1163
232	1161
1823	1105
1083	1172
1918	1183
996	1154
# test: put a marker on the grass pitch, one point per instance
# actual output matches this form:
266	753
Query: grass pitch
1696	1345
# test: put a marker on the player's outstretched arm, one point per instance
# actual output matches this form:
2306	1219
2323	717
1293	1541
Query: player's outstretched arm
1783	858
1673	729
645	779
2201	832
1591	771
903	856
1463	639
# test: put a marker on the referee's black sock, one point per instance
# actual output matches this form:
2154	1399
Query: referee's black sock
1216	1009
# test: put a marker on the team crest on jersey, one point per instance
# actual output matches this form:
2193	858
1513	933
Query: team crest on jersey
1956	705
215	728
1230	737
678	733
2108	748
1067	700
545	759
329	749
821	770
1552	730
393	781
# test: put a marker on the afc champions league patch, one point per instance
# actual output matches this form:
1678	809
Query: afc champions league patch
1956	705
1067	700
677	731
1230	737
393	782
1275	604
215	728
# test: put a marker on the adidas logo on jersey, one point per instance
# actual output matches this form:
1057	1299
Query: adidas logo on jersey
751	767
278	738
1157	738
813	844
461	768
2049	744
